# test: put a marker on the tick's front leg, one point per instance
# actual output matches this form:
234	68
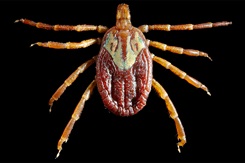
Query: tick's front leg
78	28
168	27
172	111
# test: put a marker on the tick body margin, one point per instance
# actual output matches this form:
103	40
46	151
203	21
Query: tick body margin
124	67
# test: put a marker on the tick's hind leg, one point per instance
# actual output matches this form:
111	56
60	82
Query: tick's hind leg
78	28
180	73
75	116
69	45
178	50
172	111
70	80
168	27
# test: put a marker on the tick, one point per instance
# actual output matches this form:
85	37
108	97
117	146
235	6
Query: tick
124	67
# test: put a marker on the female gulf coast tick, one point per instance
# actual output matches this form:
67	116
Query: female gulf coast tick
123	67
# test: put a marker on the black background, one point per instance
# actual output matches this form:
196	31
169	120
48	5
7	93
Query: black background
213	125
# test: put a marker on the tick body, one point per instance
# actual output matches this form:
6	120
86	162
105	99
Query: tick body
124	70
124	67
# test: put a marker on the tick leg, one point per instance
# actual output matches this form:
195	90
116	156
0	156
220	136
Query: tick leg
78	28
168	27
69	81
172	111
75	116
68	45
180	73
178	50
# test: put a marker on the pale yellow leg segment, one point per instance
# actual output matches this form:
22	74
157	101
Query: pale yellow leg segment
75	116
180	73
68	45
178	50
78	28
168	27
70	80
173	113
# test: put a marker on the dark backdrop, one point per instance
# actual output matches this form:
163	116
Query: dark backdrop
213	125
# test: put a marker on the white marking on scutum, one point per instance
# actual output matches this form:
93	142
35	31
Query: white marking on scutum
133	47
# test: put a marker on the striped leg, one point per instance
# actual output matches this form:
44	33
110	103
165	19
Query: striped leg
75	116
68	45
180	73
178	50
69	81
172	111
78	28
168	27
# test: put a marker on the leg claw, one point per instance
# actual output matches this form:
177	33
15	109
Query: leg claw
208	93
178	149
58	154
50	109
33	44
